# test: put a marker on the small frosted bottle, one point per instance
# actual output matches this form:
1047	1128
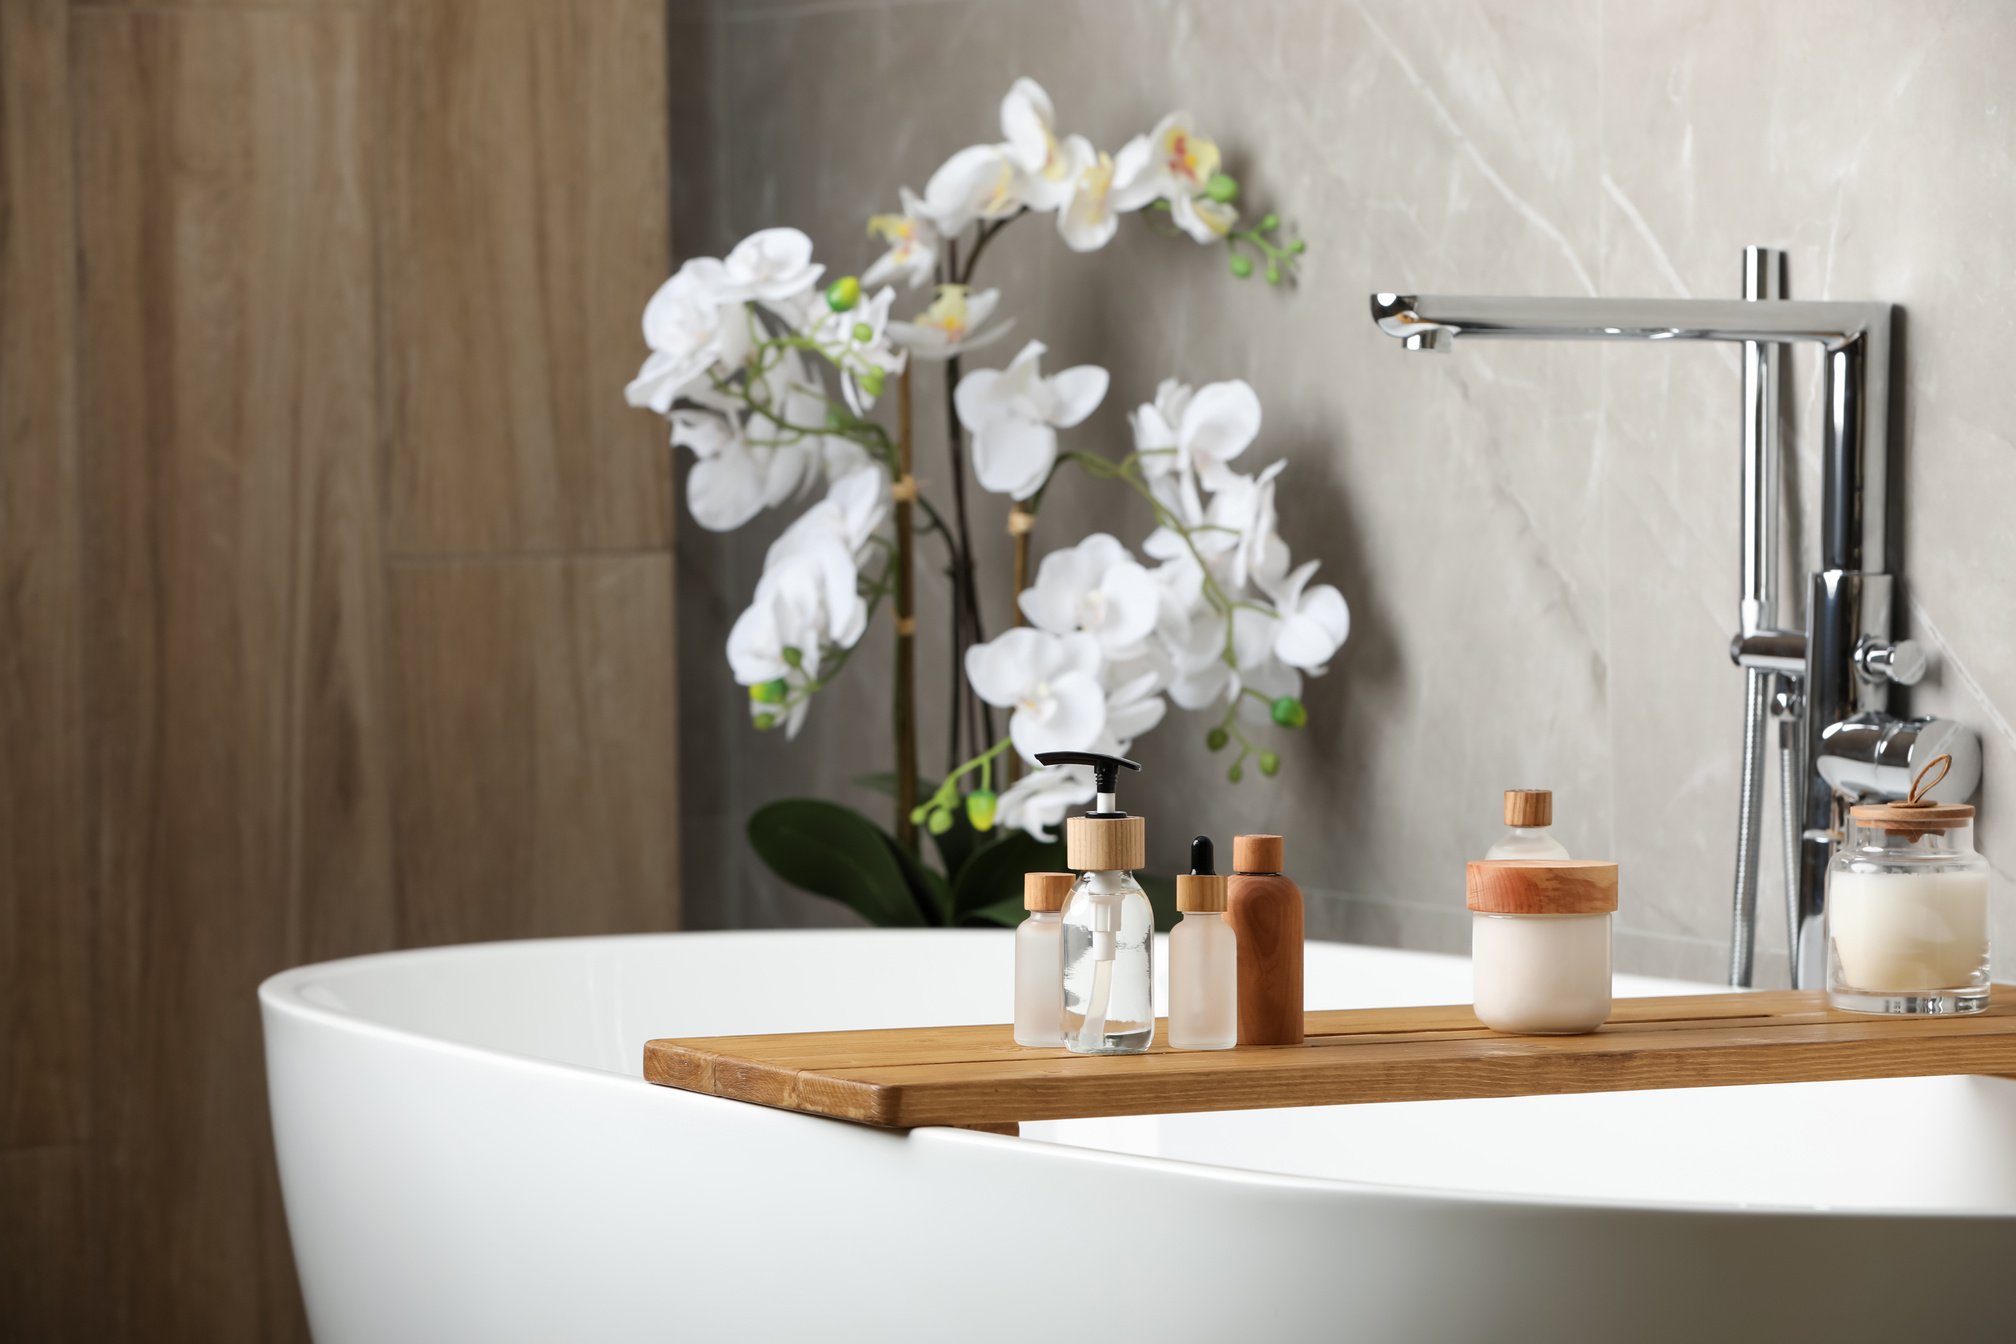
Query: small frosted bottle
1528	814
1203	960
1540	944
1039	960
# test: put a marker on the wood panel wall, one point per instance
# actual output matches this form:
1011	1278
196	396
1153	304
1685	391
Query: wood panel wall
335	577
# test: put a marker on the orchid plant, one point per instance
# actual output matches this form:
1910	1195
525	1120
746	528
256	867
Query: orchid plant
771	379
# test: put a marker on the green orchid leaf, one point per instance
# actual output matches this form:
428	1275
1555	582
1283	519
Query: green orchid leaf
992	877
1007	913
835	852
957	844
932	893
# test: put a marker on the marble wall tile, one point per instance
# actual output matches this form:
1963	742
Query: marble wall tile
1538	542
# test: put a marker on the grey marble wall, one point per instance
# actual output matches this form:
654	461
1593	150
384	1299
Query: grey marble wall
1538	542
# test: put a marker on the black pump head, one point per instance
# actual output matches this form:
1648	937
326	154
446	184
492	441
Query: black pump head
1105	769
1202	857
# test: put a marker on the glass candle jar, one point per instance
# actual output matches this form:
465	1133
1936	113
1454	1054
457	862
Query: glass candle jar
1540	944
1907	912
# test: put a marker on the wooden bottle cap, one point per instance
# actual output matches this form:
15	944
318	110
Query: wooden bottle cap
1256	854
1542	886
1529	807
1201	892
1917	815
1046	891
1098	844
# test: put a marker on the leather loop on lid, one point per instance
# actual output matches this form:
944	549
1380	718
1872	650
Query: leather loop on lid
1917	815
1046	891
1542	886
1257	854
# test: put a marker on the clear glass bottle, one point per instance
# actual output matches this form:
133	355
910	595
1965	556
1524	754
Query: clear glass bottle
1907	912
1528	814
1109	928
1203	960
1039	961
1540	944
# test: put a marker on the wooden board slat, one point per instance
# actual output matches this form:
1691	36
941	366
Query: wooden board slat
978	1076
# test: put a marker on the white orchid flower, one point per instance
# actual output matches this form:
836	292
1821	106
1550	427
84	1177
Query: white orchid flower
979	182
859	354
1029	125
808	598
1041	799
773	266
1154	425
1015	413
1243	511
694	322
950	325
1175	164
1088	219
1187	438
1097	587
1314	623
913	244
1133	707
730	484
1051	683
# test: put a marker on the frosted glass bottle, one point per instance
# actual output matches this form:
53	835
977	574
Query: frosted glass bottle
1039	961
1528	814
1203	982
1109	930
1907	912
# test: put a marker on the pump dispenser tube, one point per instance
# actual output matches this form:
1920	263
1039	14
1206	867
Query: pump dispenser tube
1109	926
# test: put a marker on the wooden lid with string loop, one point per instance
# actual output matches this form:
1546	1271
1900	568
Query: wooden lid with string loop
1917	816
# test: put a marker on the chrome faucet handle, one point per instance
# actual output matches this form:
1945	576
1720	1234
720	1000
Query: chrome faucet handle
1903	661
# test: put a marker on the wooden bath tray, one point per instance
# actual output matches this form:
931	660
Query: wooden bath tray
978	1078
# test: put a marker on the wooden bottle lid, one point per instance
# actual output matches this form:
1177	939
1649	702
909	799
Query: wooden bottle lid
1098	844
1542	886
1201	892
1256	854
1046	891
1529	807
1917	815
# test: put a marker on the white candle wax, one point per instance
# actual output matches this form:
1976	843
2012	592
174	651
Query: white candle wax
1908	931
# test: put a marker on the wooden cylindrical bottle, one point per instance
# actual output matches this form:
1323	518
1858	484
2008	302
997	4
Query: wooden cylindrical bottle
1265	912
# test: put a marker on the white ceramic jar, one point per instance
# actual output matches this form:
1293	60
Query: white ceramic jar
1540	944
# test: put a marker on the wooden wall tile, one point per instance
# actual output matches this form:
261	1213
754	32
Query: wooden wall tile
229	448
46	1243
524	228
536	748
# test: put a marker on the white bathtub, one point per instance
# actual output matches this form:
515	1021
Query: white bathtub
468	1153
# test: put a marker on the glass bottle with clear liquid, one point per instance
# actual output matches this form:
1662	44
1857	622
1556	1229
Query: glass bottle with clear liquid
1109	933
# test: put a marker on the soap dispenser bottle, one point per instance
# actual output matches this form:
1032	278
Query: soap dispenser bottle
1528	814
1203	960
1109	926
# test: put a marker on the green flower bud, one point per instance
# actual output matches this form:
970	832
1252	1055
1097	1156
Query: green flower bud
764	722
863	332
1236	773
871	382
1242	265
940	822
843	294
1270	223
1270	764
1298	247
793	658
1273	274
834	420
1216	739
1288	712
980	809
769	692
1222	188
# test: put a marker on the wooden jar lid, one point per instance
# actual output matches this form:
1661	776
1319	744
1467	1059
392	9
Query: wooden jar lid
1542	886
1046	891
1203	893
1905	820
1097	844
1257	854
1529	807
